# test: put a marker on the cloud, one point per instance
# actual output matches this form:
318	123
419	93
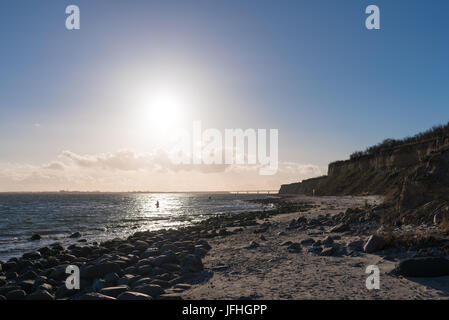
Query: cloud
126	170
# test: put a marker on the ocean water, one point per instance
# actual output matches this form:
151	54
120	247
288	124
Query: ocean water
102	216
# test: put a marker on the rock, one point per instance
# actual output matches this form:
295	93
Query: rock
150	252
356	245
111	278
315	250
45	286
141	245
9	266
152	290
140	282
129	295
59	273
126	248
144	270
45	251
2	298
27	285
342	227
114	291
281	234
308	241
301	220
317	243
162	259
423	267
126	279
183	286
29	275
252	245
16	295
40	295
262	238
98	285
223	232
292	224
171	267
170	296
328	240
94	296
286	243
204	244
373	244
11	275
294	247
8	288
35	237
200	252
75	235
441	216
108	267
63	292
32	255
190	263
330	251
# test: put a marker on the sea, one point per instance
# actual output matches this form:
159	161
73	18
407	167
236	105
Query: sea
103	216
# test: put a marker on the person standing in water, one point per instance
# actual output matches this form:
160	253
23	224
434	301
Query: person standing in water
157	204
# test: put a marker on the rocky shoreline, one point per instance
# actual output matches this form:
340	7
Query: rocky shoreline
145	266
183	263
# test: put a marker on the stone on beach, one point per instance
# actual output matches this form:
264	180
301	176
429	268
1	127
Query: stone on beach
252	245
330	251
294	248
16	295
423	267
307	242
35	237
40	295
75	235
94	296
114	291
150	289
356	245
373	244
130	295
342	227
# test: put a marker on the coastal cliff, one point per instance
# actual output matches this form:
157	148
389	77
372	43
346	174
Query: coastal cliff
412	173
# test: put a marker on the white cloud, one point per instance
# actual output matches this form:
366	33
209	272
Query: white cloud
126	170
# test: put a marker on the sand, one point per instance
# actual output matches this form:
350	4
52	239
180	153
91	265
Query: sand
271	272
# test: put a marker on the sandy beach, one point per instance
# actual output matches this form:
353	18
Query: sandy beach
301	248
270	271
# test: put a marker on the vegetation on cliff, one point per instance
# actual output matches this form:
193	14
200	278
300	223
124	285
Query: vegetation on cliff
435	132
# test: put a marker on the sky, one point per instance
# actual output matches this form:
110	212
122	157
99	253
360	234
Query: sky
94	108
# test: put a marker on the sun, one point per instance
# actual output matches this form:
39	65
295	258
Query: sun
163	110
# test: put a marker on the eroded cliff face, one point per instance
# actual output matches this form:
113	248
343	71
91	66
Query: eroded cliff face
413	177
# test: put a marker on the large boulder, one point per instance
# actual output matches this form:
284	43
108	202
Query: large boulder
423	267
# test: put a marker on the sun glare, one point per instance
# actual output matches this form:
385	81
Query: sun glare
162	111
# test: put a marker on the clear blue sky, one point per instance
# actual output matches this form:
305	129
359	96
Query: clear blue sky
308	68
